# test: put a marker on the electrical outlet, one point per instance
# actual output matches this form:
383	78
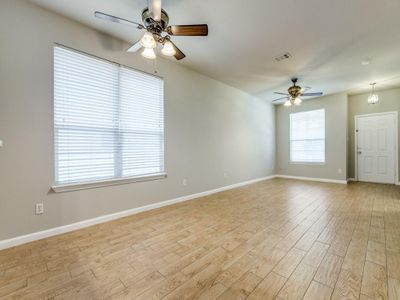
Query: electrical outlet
1	144
185	182
225	175
39	208
339	171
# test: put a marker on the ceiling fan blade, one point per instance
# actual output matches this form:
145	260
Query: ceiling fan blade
281	93
179	54
188	30
312	94
155	9
135	47
114	19
279	99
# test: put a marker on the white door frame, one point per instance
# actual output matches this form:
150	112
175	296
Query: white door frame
396	145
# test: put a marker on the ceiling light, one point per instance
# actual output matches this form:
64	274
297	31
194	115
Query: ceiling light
287	103
373	98
149	53
168	49
297	101
148	40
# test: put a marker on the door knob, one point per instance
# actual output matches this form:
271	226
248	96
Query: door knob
359	152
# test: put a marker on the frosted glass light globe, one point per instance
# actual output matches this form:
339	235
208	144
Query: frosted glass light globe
168	49
149	53
148	40
287	103
297	101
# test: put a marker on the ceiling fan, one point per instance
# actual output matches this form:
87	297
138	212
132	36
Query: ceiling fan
157	31
294	94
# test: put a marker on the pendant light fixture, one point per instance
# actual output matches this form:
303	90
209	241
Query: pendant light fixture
373	98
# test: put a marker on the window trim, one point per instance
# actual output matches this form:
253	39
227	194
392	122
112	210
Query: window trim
311	163
61	188
108	182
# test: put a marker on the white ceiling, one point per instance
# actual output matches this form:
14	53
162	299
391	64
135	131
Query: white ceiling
327	39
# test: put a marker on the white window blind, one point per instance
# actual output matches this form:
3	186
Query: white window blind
108	120
307	136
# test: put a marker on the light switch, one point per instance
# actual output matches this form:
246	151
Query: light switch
1	143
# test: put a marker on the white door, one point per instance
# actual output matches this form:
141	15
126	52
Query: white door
376	148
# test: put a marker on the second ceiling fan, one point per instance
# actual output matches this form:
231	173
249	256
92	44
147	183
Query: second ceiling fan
157	31
294	93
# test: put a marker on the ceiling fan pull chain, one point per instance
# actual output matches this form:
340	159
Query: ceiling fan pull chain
155	66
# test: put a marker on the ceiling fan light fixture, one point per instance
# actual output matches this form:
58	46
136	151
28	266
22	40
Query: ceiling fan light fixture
168	49
148	40
155	23
287	103
294	93
297	101
373	98
149	53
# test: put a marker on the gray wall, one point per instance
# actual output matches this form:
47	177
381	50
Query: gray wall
358	105
336	130
210	128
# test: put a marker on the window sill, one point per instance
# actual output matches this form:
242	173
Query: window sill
307	163
103	183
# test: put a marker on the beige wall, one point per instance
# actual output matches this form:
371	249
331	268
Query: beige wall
358	105
210	128
335	145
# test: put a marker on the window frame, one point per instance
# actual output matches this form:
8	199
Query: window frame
58	188
290	140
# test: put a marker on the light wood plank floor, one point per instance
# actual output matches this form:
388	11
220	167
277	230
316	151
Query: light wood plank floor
278	239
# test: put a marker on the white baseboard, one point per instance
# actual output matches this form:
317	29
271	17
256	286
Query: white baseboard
353	179
312	179
86	223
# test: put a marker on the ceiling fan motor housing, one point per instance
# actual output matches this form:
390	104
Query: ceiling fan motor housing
294	91
152	25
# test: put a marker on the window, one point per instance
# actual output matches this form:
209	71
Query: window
108	120
307	136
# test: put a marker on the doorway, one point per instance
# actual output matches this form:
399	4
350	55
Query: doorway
376	148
